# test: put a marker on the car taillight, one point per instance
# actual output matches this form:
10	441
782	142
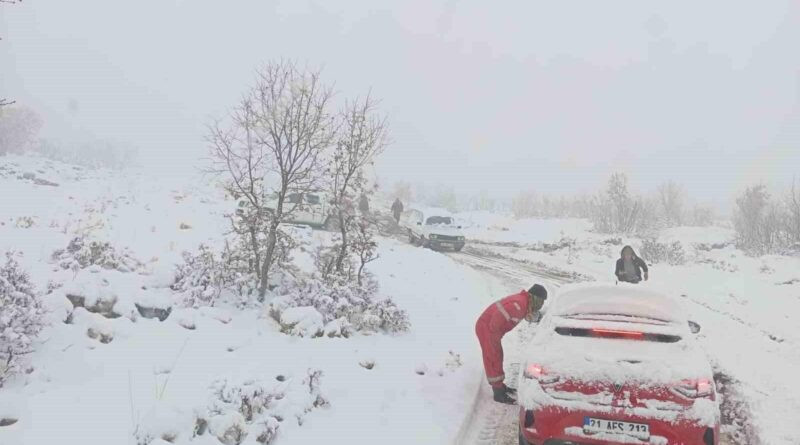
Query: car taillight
695	388
536	372
613	333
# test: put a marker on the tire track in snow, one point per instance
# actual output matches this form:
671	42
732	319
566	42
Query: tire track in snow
492	423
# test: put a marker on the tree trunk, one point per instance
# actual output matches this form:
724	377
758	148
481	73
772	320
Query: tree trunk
254	247
343	249
361	270
272	239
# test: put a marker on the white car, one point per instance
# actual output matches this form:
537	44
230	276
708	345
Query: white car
309	208
436	231
616	365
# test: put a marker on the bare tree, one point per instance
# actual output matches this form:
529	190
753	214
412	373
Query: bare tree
237	153
793	205
273	147
671	199
362	137
18	129
364	246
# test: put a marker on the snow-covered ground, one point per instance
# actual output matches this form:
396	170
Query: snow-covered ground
94	379
748	307
141	378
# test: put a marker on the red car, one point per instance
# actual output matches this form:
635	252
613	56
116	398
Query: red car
616	365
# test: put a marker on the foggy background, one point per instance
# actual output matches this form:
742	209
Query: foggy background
497	97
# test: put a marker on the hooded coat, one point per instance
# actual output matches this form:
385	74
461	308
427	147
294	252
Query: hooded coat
638	265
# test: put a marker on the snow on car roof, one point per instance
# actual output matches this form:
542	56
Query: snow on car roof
628	300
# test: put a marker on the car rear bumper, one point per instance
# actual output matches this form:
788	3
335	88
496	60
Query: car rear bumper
555	426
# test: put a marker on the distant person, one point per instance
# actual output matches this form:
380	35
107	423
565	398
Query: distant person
363	204
397	209
630	266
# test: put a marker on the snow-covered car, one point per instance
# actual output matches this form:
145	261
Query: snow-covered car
436	231
309	208
616	365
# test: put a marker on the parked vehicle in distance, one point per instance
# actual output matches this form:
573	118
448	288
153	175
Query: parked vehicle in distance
436	231
309	208
616	365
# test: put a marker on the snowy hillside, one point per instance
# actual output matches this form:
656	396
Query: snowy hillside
104	373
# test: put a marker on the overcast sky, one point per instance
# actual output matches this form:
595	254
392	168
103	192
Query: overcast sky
496	96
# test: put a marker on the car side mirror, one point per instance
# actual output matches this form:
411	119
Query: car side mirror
694	327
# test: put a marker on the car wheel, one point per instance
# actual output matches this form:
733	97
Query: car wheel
458	248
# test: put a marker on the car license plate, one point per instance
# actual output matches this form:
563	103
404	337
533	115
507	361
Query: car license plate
638	430
446	245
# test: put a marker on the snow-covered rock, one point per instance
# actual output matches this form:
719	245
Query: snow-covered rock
303	321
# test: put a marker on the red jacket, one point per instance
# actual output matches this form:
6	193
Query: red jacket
504	315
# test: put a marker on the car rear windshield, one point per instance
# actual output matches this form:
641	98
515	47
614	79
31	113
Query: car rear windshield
439	220
618	334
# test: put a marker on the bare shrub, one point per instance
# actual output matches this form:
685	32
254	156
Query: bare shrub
655	252
759	221
529	204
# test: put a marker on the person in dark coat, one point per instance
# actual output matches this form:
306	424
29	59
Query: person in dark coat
397	209
629	266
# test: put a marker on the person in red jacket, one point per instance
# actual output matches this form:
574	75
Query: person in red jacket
499	318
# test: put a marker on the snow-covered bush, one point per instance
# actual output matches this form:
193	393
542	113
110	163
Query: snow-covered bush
343	305
655	252
242	408
81	253
206	278
25	222
21	317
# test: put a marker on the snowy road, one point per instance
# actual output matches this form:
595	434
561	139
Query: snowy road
491	423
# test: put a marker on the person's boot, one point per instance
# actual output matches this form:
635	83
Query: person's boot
501	396
510	391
